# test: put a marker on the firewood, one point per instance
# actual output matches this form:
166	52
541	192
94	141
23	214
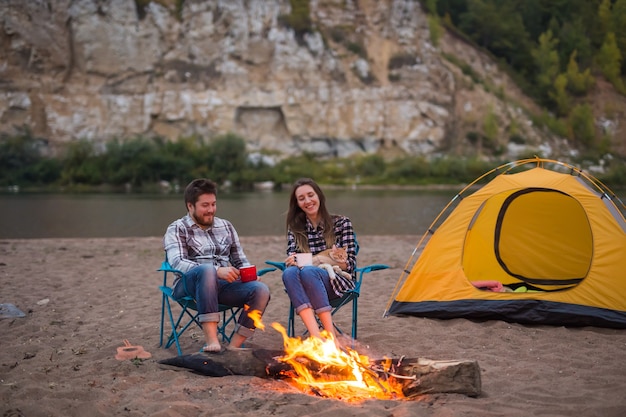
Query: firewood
418	375
451	376
251	362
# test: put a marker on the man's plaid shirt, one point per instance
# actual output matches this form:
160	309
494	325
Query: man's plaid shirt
188	245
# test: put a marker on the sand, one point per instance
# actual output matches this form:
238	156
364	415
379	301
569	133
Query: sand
83	297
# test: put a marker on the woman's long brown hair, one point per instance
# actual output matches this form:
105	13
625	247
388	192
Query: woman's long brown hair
296	218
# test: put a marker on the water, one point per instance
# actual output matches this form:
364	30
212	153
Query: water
379	212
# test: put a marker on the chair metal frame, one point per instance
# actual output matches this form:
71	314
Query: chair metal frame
189	313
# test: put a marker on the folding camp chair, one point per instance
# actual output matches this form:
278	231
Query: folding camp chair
189	313
351	296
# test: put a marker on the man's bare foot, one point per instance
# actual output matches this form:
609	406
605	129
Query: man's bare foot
212	347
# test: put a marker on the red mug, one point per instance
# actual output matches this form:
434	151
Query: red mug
248	273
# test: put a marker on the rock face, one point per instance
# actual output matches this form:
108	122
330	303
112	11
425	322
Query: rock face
365	79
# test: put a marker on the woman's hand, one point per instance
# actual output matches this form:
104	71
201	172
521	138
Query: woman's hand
291	260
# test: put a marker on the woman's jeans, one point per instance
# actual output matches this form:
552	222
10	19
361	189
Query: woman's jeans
308	287
203	284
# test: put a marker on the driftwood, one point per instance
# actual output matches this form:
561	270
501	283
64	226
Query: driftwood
418	375
250	362
461	377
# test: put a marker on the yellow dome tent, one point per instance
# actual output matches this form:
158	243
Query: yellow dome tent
542	242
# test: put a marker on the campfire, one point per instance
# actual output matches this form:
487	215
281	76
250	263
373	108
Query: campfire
319	367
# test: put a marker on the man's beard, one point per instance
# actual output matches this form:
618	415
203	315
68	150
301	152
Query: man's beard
199	220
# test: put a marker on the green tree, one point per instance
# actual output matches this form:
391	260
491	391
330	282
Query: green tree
546	60
431	6
370	165
407	170
574	38
16	152
300	17
81	165
174	160
490	129
226	158
582	124
128	162
578	83
436	31
605	17
559	94
610	61
534	17
290	169
451	10
22	163
497	26
619	26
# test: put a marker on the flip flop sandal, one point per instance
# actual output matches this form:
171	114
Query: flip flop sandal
129	351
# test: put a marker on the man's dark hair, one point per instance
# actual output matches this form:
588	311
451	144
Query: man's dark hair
197	187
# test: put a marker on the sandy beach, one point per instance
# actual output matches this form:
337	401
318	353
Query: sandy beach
83	297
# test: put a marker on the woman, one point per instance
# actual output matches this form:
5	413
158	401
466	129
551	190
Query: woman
311	228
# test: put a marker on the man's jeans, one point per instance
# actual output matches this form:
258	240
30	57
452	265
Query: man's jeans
209	291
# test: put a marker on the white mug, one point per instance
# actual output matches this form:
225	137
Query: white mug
304	259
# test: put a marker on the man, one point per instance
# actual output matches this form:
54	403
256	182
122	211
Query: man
207	249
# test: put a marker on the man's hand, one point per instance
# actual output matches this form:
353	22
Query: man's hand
228	273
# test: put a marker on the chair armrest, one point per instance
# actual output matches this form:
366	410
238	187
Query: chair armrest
281	267
373	267
264	271
166	267
278	265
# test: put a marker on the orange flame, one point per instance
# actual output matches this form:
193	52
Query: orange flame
255	315
319	366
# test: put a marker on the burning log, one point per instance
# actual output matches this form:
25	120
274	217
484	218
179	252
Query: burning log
417	376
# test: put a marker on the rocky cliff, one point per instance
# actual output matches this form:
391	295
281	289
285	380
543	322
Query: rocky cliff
365	78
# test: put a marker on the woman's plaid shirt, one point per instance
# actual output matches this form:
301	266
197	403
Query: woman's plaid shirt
344	237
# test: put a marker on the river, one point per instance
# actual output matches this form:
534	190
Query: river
375	212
